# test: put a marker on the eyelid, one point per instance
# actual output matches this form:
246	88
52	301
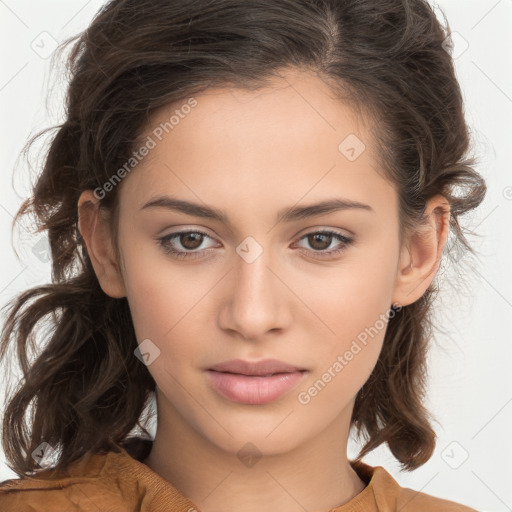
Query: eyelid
185	231
326	229
307	231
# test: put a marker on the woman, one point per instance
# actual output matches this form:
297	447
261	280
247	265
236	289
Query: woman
247	206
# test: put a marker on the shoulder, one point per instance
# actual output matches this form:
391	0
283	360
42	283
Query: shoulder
113	481
79	490
389	496
414	501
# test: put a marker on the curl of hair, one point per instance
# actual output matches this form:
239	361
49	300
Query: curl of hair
85	390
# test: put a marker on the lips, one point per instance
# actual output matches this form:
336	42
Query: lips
252	382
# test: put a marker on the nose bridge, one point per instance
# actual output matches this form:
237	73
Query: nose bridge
254	284
254	305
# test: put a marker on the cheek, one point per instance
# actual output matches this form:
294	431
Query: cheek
158	292
164	304
344	360
355	298
355	308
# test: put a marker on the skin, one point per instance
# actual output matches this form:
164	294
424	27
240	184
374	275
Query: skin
251	154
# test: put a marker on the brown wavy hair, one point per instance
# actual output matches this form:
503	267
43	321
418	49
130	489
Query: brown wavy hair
83	390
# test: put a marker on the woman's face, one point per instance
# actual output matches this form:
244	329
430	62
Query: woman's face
255	285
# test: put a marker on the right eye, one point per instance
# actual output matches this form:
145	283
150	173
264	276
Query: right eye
190	241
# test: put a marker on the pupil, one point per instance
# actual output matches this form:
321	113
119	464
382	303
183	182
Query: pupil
196	240
313	239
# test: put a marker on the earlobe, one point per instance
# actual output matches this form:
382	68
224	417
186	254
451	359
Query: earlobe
95	231
421	255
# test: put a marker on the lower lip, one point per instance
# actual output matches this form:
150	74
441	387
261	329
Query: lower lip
254	390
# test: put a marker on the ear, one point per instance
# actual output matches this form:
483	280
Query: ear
95	230
421	254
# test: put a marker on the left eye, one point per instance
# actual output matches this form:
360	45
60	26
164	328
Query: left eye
321	240
191	241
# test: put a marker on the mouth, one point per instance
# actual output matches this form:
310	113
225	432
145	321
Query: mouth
263	368
254	383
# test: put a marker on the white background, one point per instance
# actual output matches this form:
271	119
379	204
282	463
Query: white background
470	390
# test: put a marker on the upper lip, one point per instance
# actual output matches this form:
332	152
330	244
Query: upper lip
263	367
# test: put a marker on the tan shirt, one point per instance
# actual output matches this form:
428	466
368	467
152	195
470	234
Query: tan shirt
118	482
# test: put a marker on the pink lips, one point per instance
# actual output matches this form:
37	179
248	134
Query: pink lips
254	382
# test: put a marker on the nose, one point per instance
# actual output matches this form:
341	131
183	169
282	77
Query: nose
256	300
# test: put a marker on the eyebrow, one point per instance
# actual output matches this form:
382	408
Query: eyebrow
288	214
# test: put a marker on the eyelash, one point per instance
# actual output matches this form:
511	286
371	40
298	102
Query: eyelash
164	241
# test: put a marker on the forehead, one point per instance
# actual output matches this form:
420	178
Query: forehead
273	145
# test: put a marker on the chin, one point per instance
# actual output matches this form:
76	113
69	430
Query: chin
261	437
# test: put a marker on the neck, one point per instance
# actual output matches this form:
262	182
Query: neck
313	476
